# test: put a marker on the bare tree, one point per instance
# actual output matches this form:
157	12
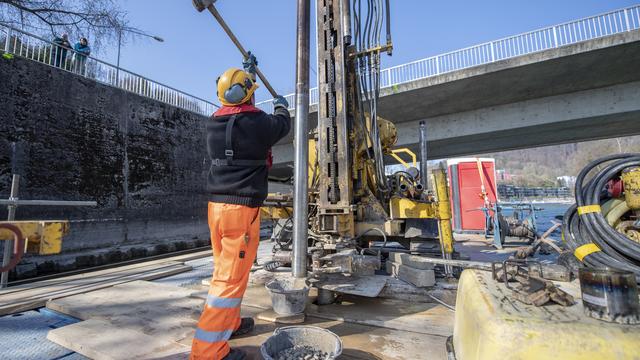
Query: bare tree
100	20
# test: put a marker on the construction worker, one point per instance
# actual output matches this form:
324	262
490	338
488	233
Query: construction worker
239	139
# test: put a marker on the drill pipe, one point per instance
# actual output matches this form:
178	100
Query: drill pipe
212	9
301	173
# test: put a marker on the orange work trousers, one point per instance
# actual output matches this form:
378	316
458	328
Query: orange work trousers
235	234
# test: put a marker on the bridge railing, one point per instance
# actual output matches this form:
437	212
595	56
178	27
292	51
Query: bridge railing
20	43
593	27
30	46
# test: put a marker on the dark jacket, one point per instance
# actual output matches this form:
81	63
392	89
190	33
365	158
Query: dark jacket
254	133
63	44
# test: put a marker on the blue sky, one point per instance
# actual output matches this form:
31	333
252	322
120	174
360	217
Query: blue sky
196	50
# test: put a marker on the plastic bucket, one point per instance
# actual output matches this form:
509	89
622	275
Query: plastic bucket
287	297
290	336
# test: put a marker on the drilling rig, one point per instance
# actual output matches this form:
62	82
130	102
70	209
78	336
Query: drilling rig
350	201
345	209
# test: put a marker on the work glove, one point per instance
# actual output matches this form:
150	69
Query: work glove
250	63
280	102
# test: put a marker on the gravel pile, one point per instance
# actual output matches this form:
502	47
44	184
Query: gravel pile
303	353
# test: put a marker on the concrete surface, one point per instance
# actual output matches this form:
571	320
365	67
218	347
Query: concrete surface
102	340
578	92
72	138
129	314
416	277
274	317
413	261
163	311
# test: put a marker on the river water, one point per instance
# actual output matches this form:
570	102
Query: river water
548	214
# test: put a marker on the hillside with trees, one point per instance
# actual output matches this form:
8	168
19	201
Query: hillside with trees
541	166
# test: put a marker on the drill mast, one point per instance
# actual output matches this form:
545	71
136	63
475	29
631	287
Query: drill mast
335	117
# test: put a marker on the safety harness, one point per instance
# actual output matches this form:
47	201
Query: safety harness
228	150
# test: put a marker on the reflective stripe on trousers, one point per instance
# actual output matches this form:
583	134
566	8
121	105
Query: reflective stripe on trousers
235	234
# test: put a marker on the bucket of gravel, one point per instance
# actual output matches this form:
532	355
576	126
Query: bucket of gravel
288	295
302	343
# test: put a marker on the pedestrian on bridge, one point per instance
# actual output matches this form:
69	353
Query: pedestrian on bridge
60	50
239	141
82	51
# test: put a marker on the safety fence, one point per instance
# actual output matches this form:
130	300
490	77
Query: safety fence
593	27
17	42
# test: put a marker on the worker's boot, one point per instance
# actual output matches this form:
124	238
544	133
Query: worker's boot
246	325
236	354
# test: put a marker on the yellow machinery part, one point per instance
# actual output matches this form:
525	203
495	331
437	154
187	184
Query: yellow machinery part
489	324
396	155
388	134
631	180
444	210
42	237
613	210
403	208
274	212
313	162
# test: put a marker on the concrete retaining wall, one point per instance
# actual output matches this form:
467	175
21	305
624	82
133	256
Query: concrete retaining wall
71	138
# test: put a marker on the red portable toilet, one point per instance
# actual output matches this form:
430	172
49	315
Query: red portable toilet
467	177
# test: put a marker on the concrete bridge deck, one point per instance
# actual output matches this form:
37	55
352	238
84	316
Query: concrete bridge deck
578	92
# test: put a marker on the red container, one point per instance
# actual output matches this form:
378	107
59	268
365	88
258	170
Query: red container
466	179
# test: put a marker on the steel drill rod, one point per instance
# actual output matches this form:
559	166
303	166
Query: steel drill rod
423	157
14	202
8	245
345	10
301	159
244	53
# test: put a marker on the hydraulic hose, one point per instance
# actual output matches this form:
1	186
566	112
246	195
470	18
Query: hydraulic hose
591	227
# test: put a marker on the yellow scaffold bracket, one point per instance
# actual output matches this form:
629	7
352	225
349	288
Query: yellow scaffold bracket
588	209
586	249
395	155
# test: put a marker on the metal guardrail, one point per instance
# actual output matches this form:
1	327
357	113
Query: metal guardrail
593	27
17	42
32	47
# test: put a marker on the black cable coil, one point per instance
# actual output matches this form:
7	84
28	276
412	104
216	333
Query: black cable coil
617	250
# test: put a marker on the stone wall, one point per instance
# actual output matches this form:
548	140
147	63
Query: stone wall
71	138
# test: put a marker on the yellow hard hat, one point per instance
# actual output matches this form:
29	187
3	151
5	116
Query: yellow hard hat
235	87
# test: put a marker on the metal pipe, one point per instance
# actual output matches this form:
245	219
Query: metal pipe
300	191
16	202
212	9
388	23
8	245
424	177
345	12
118	63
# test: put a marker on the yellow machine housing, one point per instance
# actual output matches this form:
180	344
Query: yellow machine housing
490	325
631	179
42	237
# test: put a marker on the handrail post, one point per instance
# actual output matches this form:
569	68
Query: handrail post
555	36
493	55
8	41
626	19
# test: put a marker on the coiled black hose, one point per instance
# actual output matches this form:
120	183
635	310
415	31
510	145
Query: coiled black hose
617	251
